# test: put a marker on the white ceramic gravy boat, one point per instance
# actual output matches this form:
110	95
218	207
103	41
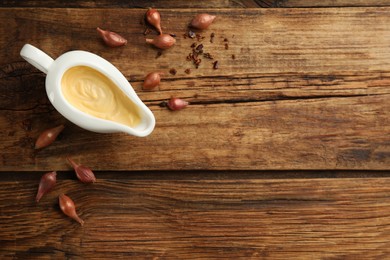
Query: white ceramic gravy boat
55	69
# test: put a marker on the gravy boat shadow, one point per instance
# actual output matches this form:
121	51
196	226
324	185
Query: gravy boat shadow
55	70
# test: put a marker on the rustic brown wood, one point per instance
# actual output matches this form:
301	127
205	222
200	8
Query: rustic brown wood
162	4
323	3
205	216
305	91
166	4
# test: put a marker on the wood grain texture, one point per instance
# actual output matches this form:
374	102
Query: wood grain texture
305	91
166	4
161	4
205	216
323	3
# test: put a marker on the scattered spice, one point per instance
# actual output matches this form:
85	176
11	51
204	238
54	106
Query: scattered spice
215	65
208	55
212	35
233	56
226	46
199	48
68	208
197	62
191	34
225	40
46	184
194	55
187	71
173	71
111	39
199	37
48	136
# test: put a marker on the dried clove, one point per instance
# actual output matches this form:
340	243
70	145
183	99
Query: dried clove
199	48
173	71
212	35
208	55
215	65
46	184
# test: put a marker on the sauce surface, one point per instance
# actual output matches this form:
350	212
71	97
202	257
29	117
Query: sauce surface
93	93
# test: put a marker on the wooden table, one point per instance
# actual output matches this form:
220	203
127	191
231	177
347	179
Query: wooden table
283	153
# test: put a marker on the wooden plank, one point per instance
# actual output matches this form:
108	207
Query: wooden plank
162	4
193	218
166	4
309	89
324	3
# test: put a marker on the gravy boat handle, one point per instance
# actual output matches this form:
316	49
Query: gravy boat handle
36	57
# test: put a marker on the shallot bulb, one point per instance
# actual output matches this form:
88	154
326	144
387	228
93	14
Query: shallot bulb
162	41
48	136
177	104
202	21
111	39
68	208
46	184
83	173
153	17
152	80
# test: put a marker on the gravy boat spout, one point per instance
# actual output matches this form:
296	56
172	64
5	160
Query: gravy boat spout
91	92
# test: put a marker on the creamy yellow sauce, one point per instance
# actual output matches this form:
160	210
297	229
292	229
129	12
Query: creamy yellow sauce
93	93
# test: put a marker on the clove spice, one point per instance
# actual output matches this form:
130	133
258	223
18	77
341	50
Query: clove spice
215	65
